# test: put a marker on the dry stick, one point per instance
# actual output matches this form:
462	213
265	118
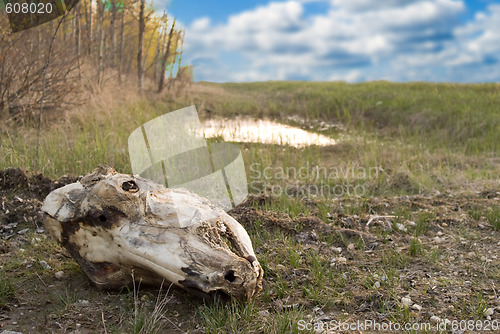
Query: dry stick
44	78
165	59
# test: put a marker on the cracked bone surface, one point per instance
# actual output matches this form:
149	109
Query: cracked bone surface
116	224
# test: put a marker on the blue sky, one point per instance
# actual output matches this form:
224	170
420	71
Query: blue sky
349	40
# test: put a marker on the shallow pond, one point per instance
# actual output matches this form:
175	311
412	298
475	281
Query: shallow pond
263	131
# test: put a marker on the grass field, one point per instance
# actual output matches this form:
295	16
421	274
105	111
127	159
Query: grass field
408	216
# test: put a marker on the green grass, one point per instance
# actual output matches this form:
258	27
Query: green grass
415	247
423	136
493	217
6	290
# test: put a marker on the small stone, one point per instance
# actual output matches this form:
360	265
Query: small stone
264	313
376	285
401	227
59	275
406	301
351	247
23	231
489	312
471	254
438	240
280	267
439	233
435	319
337	250
416	307
484	258
444	225
84	302
45	265
78	325
412	224
341	260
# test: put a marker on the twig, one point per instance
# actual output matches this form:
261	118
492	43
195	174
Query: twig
372	218
103	322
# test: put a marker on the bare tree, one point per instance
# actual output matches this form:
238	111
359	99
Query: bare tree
142	27
165	59
99	27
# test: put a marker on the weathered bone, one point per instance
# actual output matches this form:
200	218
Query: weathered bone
115	224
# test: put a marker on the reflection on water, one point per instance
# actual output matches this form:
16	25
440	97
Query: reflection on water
263	131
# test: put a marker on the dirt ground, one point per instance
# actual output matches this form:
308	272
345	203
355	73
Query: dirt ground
427	259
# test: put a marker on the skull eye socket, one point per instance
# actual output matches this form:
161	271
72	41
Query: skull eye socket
229	276
130	186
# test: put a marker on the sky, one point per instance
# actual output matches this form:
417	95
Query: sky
340	40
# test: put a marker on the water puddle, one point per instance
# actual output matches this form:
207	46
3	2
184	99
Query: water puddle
263	131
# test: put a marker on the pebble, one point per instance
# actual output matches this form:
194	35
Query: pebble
439	233
337	250
281	267
264	313
376	285
342	260
406	301
484	258
23	231
438	240
471	254
44	265
59	275
84	302
444	225
401	227
416	307
435	319
489	312
412	224
351	247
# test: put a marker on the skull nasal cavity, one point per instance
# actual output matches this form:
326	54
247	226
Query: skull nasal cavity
229	276
130	186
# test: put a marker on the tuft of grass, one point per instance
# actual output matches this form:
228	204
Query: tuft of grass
475	214
6	290
145	320
394	259
493	217
234	317
415	247
423	222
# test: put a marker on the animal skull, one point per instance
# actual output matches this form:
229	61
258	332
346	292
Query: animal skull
116	224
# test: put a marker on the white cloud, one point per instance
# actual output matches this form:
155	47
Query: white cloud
354	40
